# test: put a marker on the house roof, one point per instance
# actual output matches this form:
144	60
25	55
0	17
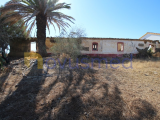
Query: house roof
94	38
149	33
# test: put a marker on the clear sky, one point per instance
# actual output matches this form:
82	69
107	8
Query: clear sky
113	18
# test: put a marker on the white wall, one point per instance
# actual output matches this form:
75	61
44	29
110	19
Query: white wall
157	45
110	46
88	43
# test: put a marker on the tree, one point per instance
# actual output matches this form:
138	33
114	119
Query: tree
68	45
8	33
39	12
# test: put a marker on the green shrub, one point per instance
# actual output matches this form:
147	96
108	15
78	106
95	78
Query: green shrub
68	45
149	52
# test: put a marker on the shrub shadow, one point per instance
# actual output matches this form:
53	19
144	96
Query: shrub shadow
21	104
83	96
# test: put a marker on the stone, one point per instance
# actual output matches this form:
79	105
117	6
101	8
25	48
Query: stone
146	74
155	72
85	113
45	68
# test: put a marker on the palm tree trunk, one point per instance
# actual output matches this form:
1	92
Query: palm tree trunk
41	20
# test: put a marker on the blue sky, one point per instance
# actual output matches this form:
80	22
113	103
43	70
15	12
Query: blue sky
113	18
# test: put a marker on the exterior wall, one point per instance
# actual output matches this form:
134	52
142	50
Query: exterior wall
88	43
109	47
157	45
106	46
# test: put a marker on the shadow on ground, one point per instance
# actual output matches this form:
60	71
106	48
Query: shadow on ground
21	104
2	80
76	95
4	75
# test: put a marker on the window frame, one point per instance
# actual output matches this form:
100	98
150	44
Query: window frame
123	46
93	44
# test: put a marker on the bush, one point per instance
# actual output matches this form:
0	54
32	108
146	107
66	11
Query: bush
150	52
68	45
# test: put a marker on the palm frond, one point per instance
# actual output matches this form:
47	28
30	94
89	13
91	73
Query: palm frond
55	14
12	17
56	22
31	26
50	21
34	14
48	27
62	5
29	9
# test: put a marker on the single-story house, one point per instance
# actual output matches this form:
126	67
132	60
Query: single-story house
151	36
110	47
102	47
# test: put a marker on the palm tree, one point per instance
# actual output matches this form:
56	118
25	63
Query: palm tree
40	12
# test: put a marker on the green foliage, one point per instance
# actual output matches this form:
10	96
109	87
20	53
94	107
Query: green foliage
41	13
30	9
2	61
68	45
149	52
9	32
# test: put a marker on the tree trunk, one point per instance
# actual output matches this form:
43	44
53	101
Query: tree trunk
41	20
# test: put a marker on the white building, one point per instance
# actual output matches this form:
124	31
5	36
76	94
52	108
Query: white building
112	47
151	36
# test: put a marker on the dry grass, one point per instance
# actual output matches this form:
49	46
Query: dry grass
98	93
146	63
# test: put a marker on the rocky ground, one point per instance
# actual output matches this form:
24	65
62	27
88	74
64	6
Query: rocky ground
28	93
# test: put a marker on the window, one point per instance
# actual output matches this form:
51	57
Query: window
95	46
141	44
85	48
120	46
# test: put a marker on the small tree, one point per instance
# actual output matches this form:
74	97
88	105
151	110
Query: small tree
7	34
9	30
68	45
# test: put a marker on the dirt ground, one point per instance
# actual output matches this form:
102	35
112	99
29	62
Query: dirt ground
83	94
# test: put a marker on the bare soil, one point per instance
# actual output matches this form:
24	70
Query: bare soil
83	94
